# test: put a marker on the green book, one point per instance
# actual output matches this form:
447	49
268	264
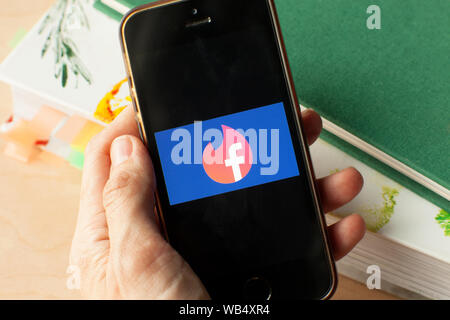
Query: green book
117	8
384	93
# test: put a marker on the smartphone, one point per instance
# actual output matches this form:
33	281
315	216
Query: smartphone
216	107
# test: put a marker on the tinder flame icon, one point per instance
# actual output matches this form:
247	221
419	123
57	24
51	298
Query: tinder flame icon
231	161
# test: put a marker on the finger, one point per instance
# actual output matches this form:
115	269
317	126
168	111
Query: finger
339	188
312	125
345	235
138	250
97	166
128	196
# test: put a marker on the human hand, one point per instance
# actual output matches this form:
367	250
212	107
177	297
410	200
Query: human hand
117	244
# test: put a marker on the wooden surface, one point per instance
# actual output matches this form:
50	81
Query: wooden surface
39	201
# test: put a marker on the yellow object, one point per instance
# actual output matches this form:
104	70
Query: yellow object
70	129
89	130
113	103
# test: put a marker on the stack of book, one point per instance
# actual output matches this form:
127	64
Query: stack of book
408	237
385	105
68	81
383	95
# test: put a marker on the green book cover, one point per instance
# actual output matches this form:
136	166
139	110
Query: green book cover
389	87
132	3
107	10
117	8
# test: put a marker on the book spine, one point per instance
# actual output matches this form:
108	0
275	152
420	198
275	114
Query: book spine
100	6
120	6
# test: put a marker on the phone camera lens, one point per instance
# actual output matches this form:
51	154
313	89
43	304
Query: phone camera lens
194	11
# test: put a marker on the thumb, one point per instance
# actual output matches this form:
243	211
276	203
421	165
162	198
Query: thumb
128	196
143	263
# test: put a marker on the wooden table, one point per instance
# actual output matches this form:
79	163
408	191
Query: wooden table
39	201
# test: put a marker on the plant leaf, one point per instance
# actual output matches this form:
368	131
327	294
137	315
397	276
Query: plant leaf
443	218
78	65
64	75
70	45
47	43
44	24
62	14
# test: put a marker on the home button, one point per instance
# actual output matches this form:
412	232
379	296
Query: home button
257	288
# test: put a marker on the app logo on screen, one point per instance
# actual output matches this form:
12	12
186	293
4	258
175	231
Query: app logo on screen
226	154
235	155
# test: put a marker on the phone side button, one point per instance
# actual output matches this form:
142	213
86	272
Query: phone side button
257	288
141	133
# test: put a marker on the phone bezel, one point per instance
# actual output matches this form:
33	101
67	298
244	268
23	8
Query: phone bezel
294	107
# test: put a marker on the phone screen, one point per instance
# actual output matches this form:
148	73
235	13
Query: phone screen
221	129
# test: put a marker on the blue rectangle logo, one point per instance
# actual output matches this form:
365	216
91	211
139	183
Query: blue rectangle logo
225	154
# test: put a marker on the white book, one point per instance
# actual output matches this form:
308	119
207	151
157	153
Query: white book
89	67
405	240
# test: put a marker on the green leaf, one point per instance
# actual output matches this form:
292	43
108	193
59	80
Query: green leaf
70	46
443	219
78	65
45	23
64	75
62	14
69	51
83	17
58	70
47	44
59	53
50	17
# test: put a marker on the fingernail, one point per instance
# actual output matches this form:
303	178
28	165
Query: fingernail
121	150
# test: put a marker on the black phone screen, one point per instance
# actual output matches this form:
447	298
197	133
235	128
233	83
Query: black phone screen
221	129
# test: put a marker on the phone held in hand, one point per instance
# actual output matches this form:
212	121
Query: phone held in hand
216	107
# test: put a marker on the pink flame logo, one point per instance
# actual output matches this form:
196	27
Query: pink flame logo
232	165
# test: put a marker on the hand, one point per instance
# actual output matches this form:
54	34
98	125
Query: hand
117	243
